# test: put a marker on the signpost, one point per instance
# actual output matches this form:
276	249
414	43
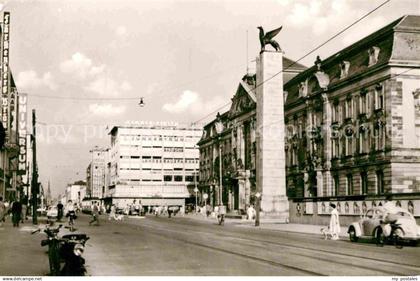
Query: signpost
196	205
205	196
257	215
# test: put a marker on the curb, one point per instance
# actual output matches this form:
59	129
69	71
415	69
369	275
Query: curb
270	224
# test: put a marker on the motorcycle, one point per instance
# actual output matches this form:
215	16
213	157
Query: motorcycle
390	232
64	253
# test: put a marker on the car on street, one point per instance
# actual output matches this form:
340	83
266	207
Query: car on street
371	222
52	212
189	208
41	211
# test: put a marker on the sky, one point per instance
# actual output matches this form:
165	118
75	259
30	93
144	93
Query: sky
85	63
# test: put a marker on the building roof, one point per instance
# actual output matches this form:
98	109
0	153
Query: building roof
288	63
397	43
247	87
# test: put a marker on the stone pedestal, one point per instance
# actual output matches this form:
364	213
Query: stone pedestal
271	173
247	188
242	192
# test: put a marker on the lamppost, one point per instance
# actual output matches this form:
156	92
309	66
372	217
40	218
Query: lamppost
196	191
257	215
219	130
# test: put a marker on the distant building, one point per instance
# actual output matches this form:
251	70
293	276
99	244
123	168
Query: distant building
96	172
76	192
152	163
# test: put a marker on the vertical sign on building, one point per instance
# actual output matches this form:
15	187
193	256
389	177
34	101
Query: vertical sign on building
22	123
13	110
5	73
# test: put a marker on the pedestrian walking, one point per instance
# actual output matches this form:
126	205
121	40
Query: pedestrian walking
208	210
334	223
95	214
136	207
2	211
24	202
60	211
250	212
70	213
221	214
390	215
112	213
16	213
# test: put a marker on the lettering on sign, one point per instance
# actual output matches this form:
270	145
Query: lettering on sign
22	128
5	76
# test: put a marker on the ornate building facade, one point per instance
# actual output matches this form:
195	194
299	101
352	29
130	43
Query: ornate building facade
236	145
352	131
353	126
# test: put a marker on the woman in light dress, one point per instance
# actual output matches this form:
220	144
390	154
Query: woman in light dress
334	223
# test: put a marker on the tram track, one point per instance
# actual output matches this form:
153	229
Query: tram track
334	254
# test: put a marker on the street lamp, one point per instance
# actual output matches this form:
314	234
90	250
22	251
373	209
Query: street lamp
257	215
219	130
196	191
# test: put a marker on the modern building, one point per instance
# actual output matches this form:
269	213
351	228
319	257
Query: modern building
351	135
96	173
152	162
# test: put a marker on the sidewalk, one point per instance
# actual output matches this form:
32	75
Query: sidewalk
269	224
20	252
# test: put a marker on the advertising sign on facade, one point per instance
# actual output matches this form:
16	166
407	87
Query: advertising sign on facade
13	110
5	73
22	129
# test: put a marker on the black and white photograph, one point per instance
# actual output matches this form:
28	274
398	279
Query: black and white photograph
210	138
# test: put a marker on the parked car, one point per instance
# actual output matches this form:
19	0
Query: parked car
369	225
41	211
189	208
52	212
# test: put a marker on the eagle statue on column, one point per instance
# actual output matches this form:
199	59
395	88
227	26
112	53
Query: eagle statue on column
267	38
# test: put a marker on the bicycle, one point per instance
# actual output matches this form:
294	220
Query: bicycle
221	219
71	217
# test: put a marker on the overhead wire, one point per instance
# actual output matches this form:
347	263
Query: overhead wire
211	75
164	90
307	54
391	77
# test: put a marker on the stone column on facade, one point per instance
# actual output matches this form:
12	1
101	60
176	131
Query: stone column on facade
241	190
309	127
327	131
306	184
242	144
247	198
327	183
319	183
271	174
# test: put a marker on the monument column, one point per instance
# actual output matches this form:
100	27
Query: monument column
271	174
327	145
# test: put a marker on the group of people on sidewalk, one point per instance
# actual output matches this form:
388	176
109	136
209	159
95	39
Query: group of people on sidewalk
18	209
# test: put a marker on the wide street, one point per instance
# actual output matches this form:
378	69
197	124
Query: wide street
191	246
